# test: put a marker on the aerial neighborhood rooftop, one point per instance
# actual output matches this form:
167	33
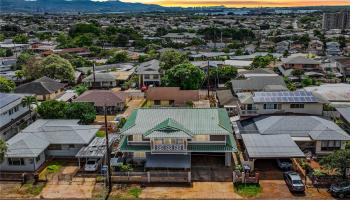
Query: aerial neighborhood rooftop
221	103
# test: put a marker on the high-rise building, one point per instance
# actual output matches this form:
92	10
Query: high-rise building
339	20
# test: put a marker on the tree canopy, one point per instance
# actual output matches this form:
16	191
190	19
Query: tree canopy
52	109
262	61
85	112
118	57
171	58
186	75
57	67
20	39
339	160
53	66
6	85
224	74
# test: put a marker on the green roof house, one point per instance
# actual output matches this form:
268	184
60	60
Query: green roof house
168	137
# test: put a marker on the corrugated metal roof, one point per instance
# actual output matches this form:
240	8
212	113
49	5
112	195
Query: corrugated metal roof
271	146
197	121
34	139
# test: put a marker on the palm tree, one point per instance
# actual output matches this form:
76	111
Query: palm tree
28	101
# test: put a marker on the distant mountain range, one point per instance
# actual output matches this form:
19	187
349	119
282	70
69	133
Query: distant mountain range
75	6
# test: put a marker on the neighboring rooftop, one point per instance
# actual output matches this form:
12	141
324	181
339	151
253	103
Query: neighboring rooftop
226	97
100	77
271	146
149	67
299	60
41	86
34	139
316	128
260	83
332	92
101	98
180	97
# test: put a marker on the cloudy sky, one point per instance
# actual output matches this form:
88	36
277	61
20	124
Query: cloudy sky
243	3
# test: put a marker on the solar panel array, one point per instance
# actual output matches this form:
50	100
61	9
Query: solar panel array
284	97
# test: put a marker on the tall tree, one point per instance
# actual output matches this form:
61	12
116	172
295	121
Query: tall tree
85	112
52	109
171	58
20	39
186	76
57	67
118	57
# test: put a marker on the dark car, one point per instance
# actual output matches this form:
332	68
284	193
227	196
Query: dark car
284	164
340	190
294	182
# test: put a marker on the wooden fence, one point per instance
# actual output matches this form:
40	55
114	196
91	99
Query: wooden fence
151	177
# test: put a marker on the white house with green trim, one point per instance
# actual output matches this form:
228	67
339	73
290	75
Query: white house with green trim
164	137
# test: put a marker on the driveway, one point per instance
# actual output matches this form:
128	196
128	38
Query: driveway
210	168
199	190
132	105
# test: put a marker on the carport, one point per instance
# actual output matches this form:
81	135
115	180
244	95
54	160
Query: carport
96	149
166	161
270	147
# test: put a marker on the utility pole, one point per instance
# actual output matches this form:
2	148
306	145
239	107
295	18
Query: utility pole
109	178
93	75
208	82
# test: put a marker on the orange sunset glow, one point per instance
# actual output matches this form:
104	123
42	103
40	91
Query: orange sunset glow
244	3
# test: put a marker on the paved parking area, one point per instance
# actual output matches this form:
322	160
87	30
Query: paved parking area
199	190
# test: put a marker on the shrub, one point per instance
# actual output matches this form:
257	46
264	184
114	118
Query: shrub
248	189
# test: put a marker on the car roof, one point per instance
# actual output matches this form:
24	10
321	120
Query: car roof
294	176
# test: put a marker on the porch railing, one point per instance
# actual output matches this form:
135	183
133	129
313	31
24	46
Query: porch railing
169	147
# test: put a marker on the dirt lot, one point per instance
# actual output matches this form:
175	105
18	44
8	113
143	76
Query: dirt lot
277	189
199	190
77	188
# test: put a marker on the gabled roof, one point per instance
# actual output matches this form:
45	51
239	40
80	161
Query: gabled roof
7	98
300	60
102	97
26	145
99	77
34	139
197	121
226	97
149	67
296	126
180	97
41	86
257	83
168	128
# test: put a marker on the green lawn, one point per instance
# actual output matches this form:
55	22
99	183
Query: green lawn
100	134
135	192
55	166
34	189
248	189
